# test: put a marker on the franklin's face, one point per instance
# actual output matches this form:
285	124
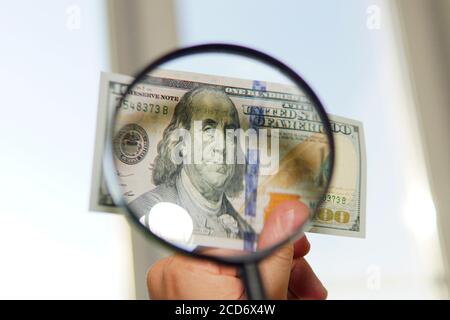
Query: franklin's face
216	114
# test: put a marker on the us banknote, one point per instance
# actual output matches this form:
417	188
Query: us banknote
343	209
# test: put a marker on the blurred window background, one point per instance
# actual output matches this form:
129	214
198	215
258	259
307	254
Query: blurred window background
384	63
51	246
353	56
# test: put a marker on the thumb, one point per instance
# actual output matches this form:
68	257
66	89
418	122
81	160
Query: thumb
275	269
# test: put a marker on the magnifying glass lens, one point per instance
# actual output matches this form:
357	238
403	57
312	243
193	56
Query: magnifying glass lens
220	152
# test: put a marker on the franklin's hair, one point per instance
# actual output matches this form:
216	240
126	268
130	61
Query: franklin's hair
165	171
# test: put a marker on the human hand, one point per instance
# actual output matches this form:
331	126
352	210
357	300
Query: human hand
285	273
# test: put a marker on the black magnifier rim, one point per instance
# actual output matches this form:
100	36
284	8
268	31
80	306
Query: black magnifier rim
108	159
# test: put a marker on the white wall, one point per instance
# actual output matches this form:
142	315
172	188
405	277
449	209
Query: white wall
50	245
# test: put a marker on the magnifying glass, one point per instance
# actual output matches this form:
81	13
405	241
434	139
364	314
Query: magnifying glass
206	142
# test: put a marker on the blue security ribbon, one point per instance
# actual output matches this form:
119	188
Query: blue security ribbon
252	171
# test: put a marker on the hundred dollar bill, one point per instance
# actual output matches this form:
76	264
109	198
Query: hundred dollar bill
343	209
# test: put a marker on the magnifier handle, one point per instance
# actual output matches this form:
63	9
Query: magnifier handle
253	282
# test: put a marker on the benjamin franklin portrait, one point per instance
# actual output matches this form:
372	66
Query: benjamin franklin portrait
204	188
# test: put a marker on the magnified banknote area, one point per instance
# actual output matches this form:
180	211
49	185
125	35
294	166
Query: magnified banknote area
204	157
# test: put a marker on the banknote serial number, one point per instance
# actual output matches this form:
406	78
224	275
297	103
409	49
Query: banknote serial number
143	107
335	199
